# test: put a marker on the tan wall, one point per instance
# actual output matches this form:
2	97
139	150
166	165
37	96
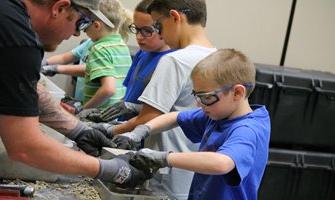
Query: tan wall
312	43
258	28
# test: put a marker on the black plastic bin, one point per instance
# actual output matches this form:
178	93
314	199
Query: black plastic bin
301	105
298	175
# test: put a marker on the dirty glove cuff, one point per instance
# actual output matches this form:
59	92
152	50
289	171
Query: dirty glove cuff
115	170
74	133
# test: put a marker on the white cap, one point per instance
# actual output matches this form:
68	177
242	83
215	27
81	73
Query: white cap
93	7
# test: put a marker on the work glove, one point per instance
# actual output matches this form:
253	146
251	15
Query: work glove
91	114
132	140
49	70
117	110
72	105
106	128
44	62
92	140
150	160
120	172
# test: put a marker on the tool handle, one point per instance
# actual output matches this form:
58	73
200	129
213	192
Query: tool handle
25	190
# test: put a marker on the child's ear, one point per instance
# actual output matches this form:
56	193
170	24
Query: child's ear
97	24
175	14
239	92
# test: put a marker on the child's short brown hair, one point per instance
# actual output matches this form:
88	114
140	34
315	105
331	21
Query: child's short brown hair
227	67
143	6
195	10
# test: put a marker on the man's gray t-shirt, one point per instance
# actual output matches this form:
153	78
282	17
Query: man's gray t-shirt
170	90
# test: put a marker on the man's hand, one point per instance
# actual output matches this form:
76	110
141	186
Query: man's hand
132	140
117	110
120	172
49	70
150	160
92	140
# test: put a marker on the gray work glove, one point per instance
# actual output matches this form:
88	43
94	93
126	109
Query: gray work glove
117	110
106	128
91	114
49	70
120	172
132	140
150	160
92	140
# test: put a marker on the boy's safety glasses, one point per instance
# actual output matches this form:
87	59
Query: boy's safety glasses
210	98
146	31
158	23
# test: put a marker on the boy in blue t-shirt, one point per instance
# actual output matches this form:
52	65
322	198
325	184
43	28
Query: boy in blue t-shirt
234	136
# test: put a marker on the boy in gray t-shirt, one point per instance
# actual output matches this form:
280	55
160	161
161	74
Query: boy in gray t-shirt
181	24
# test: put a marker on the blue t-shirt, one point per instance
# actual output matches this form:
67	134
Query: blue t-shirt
139	74
245	139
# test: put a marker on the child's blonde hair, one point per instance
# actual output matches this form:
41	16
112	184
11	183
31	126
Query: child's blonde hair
118	15
227	67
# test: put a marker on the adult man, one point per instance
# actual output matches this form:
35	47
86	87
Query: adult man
27	25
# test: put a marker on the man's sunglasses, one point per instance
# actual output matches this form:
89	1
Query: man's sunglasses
84	21
210	98
145	31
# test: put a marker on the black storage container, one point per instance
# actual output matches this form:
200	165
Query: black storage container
298	175
301	105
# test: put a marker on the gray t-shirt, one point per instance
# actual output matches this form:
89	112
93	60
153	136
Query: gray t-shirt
170	90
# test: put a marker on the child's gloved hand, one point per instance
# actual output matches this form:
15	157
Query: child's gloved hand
119	171
150	160
117	110
49	70
132	140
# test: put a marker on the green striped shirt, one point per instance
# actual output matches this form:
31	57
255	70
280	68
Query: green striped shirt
108	56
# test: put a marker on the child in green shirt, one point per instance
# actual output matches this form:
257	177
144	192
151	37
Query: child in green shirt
108	60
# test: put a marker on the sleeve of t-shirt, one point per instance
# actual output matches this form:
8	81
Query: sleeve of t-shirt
100	64
241	147
165	85
81	50
193	123
19	73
